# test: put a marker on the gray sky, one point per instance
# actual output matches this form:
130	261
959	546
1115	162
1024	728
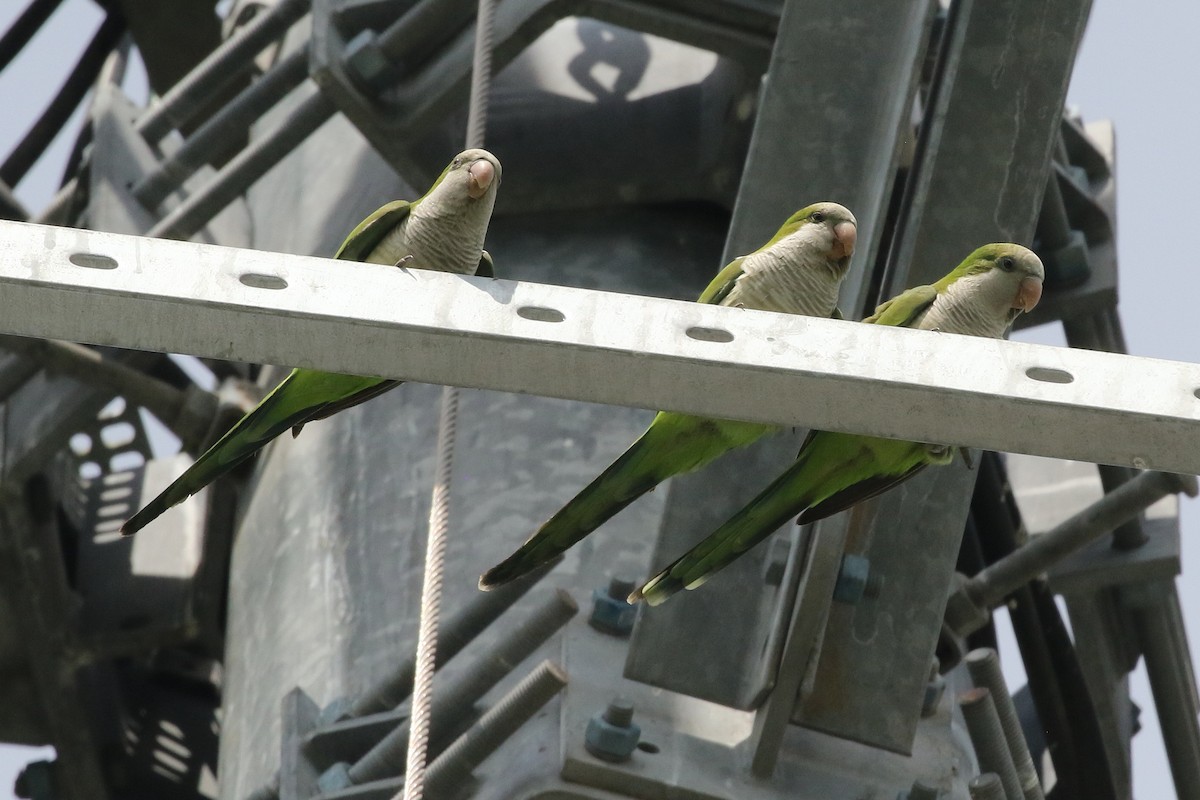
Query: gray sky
1137	67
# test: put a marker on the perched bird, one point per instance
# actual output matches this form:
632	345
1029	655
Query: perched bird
833	471
443	230
797	272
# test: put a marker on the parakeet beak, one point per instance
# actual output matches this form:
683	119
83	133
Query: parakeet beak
479	177
1029	292
845	234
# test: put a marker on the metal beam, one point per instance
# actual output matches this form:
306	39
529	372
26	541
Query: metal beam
829	94
979	175
248	305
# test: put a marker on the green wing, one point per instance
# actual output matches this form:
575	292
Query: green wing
832	472
304	396
672	445
370	232
301	396
819	482
903	310
722	285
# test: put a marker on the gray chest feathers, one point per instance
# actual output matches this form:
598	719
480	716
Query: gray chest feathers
445	242
789	278
966	308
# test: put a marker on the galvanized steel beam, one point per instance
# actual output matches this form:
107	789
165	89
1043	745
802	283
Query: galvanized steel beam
421	325
817	92
979	176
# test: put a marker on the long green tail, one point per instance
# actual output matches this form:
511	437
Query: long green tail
832	472
672	445
302	395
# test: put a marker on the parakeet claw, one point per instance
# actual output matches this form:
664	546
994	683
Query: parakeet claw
966	454
404	261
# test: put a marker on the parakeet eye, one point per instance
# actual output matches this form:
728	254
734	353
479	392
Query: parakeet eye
817	216
1008	264
456	163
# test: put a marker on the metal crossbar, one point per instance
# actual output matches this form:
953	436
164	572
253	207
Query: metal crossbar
248	305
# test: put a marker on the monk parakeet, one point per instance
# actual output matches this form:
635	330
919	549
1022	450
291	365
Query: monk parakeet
797	272
833	471
443	230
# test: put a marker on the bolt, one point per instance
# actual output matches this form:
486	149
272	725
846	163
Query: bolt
935	687
365	60
854	580
984	665
986	787
991	748
610	611
612	734
919	791
776	563
1068	265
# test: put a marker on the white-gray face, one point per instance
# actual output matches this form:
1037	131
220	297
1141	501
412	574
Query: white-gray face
1004	281
471	180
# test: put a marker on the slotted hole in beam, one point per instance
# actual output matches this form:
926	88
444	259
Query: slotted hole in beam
92	261
1049	375
257	280
541	314
709	335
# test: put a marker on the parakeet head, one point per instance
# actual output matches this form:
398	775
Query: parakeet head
829	225
473	176
1004	275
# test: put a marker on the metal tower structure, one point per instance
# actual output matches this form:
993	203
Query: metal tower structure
257	641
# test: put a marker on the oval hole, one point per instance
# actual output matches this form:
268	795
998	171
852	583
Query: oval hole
709	335
81	444
117	435
92	261
256	280
647	747
1197	394
130	459
1049	375
540	314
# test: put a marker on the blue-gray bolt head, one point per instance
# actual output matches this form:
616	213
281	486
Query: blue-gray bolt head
612	735
610	612
1068	265
335	778
852	579
1079	177
919	791
364	60
933	695
336	711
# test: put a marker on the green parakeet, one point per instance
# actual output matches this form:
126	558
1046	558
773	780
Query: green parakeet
797	272
443	230
833	471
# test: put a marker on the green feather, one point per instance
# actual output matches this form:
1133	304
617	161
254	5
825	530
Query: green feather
834	471
673	444
367	235
304	395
